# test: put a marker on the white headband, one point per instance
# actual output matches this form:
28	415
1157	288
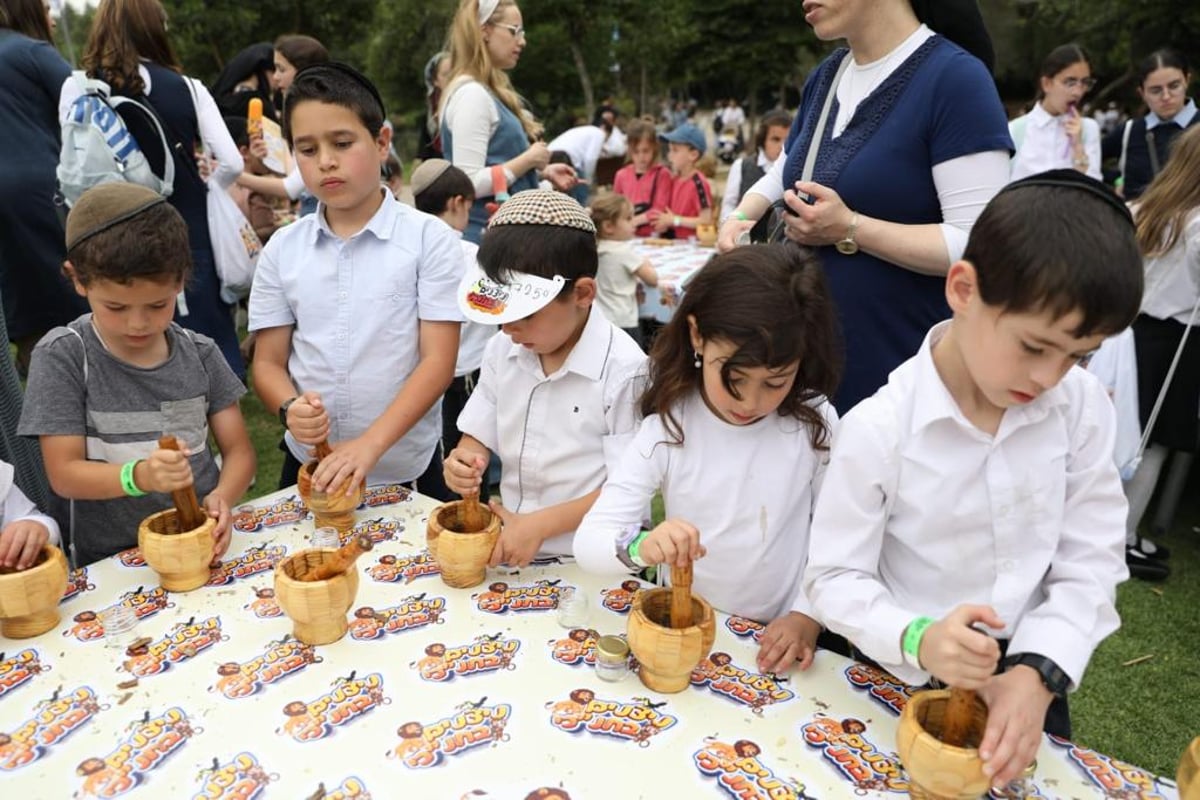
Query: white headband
486	9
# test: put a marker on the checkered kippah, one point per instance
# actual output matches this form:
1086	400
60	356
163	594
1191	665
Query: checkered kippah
542	207
105	206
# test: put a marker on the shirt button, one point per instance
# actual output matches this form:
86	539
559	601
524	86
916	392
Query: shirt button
343	295
1008	565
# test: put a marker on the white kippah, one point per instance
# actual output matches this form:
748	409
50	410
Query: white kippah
486	9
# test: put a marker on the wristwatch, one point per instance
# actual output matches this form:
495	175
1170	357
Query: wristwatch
283	407
848	246
1053	678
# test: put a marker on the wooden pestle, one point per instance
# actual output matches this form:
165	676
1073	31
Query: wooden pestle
957	718
187	507
681	596
471	514
340	561
322	449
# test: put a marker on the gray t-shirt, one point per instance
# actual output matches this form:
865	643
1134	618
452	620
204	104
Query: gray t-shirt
122	409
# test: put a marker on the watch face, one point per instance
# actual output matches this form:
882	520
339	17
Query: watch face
847	247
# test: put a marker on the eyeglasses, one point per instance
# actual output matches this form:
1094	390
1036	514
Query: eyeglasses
1072	83
1174	87
518	31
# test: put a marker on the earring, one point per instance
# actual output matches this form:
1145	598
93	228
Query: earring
697	361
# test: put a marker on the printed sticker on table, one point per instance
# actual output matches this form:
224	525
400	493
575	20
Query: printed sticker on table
410	614
131	558
184	641
619	599
518	792
578	649
487	653
20	668
264	605
286	510
881	686
1114	778
745	628
471	726
844	744
254	561
1018	790
349	699
241	778
636	720
352	788
238	680
388	494
87	626
403	569
378	530
150	742
55	718
742	773
77	584
501	598
724	678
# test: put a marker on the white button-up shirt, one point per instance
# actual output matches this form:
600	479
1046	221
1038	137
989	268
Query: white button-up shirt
557	435
355	306
1043	144
1173	278
920	511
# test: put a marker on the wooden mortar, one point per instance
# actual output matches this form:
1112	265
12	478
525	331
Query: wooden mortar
461	555
667	655
1187	777
29	598
317	608
333	509
937	770
179	556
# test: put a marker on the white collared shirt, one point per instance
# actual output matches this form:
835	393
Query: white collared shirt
920	512
355	306
733	181
1182	119
1173	278
1043	144
557	435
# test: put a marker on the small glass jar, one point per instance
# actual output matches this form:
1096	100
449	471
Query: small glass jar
572	608
326	537
612	658
118	620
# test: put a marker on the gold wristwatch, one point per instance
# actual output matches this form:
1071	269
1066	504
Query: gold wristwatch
848	246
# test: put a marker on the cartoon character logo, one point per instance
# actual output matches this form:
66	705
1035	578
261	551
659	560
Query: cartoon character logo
352	788
387	494
472	725
378	530
131	558
488	297
745	628
412	613
727	679
845	746
264	605
349	699
880	685
284	511
394	569
184	641
741	773
484	654
19	669
577	647
242	778
1115	778
77	584
501	598
150	742
54	720
254	561
620	599
637	721
281	659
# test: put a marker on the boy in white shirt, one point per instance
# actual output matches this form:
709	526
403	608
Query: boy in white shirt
25	530
556	393
974	498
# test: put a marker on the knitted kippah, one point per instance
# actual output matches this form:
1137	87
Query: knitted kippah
542	207
423	176
106	206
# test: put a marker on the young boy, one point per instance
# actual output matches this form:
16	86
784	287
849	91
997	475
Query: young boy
971	522
258	208
355	304
443	190
555	398
691	195
103	389
26	530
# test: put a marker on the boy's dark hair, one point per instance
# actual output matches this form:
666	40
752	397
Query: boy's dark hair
541	250
1059	242
337	84
153	245
237	130
435	197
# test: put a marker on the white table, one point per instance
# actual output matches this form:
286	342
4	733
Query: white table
674	264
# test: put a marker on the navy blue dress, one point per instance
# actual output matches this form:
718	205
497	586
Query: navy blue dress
939	104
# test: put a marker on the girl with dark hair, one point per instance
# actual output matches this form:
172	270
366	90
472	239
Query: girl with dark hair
293	53
736	436
1142	145
1055	135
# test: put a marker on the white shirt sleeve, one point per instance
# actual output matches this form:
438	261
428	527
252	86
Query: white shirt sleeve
216	137
293	183
1091	146
19	507
965	185
770	185
472	118
733	190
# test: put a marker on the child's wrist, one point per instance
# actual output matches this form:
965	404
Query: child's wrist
129	481
911	641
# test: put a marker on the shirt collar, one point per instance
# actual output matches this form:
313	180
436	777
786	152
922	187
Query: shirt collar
1040	117
589	355
382	223
1183	118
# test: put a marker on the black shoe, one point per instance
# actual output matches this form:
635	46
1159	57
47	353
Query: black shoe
1159	552
1142	566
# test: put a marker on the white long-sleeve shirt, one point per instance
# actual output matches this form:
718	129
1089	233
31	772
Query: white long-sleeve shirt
15	506
1042	144
920	512
1173	278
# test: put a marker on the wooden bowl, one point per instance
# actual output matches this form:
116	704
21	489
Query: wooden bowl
180	559
317	608
666	656
937	771
1187	777
330	509
461	556
706	235
29	599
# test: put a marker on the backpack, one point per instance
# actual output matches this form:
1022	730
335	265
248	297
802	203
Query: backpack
98	148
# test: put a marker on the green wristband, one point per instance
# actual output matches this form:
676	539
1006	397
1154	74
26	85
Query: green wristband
913	635
635	548
127	482
741	215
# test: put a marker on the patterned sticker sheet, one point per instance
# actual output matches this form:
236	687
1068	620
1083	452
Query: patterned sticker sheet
434	693
674	263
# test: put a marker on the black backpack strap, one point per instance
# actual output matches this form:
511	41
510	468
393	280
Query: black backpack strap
703	195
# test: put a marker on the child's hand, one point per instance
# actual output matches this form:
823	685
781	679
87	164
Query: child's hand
20	543
788	639
520	537
672	541
1017	701
957	654
258	147
164	471
539	155
307	419
663	221
731	230
561	176
463	471
348	465
218	509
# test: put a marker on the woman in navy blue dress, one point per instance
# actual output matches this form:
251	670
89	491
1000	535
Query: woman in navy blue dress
915	145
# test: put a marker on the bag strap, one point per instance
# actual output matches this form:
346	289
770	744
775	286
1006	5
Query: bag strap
1162	393
1152	149
1124	146
814	144
117	101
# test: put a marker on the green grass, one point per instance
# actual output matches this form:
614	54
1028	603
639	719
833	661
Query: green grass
265	432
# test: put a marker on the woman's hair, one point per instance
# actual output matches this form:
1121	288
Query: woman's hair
301	51
772	119
26	17
1163	209
123	32
1164	58
609	207
469	56
1060	58
771	303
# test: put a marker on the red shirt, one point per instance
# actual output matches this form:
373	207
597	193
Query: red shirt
651	190
690	196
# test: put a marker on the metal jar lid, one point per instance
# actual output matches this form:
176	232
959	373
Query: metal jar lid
612	647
